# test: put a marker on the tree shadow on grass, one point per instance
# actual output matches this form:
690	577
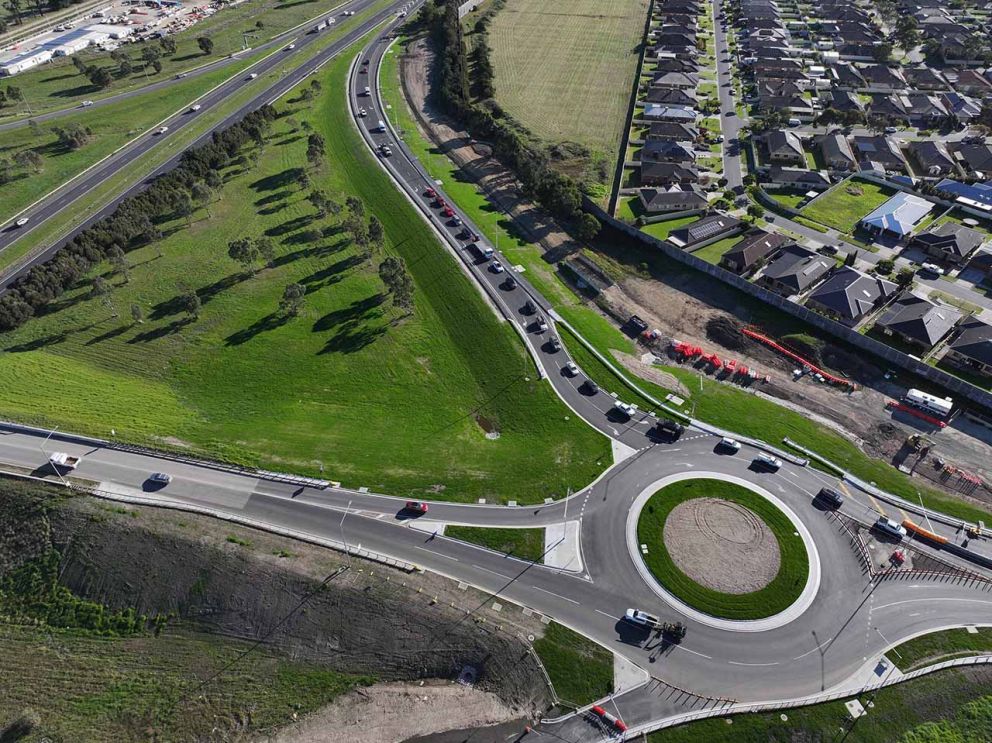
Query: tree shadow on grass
352	336
174	305
290	226
277	180
273	197
269	322
317	251
39	343
160	332
329	275
357	310
112	333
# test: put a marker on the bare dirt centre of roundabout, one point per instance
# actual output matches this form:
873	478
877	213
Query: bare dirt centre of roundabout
723	548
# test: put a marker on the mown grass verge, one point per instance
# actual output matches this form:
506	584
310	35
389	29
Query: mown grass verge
939	646
580	670
783	590
527	544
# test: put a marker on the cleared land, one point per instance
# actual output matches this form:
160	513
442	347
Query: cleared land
844	206
564	70
399	404
783	589
527	544
580	670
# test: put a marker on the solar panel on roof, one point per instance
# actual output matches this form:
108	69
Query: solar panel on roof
709	229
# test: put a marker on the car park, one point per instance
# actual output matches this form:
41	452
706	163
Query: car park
161	478
728	444
642	618
571	369
415	506
830	497
890	528
767	461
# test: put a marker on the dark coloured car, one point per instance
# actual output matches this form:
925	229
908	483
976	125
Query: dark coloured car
669	429
830	497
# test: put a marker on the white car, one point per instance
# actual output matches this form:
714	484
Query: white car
86	104
290	47
767	460
386	152
890	528
624	407
542	325
194	108
362	113
730	444
642	618
497	267
932	268
571	369
21	222
161	130
253	75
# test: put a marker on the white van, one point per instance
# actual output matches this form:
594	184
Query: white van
381	126
367	91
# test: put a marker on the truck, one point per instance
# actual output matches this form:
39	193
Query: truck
62	461
482	252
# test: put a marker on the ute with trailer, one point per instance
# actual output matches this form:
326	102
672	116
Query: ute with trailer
62	461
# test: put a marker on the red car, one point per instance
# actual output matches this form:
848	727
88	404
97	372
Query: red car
440	203
415	506
448	211
430	193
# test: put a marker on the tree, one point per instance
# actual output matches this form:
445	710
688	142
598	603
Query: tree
72	136
206	44
80	65
101	288
124	66
397	279
293	124
883	52
755	211
266	249
244	251
137	316
168	44
3	99
303	180
190	304
293	297
907	32
202	195
184	207
905	277
355	206
150	54
885	266
29	159
377	234
99	76
119	261
157	65
315	149
15	94
586	228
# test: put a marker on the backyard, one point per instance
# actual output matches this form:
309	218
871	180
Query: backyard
846	204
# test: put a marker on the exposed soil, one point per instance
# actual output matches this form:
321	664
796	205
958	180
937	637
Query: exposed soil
387	713
722	545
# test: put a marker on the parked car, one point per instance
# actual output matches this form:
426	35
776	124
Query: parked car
932	268
890	528
891	129
767	461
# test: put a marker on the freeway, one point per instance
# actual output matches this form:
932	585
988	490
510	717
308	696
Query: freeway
64	197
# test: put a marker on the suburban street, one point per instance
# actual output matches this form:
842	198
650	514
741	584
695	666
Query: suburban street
730	123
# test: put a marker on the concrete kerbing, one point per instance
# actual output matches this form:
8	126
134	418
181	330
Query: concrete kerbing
627	676
562	546
794	611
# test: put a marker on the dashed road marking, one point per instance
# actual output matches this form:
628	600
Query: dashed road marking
558	595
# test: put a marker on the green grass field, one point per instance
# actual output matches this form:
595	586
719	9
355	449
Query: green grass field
842	209
713	253
939	646
397	404
784	588
86	687
580	670
527	544
58	84
947	707
565	70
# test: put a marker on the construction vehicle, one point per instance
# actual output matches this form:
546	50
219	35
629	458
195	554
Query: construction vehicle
675	631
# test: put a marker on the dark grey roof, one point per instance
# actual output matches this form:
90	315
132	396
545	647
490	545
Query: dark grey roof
919	319
798	268
851	293
952	238
756	245
974	341
706	228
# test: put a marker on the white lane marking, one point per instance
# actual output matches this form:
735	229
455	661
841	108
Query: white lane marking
437	554
735	663
915	614
808	652
563	598
694	652
479	567
914	601
609	616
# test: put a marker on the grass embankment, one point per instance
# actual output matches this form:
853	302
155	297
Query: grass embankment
843	207
527	544
947	707
399	404
939	646
111	689
783	590
580	670
58	84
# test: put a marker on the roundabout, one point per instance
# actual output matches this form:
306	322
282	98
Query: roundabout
723	550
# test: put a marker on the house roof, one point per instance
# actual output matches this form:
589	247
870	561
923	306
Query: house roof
706	228
836	146
661	111
977	156
880	74
981	261
879	150
851	293
780	142
663	199
974	341
899	214
672	130
931	152
671	96
798	176
797	268
975	194
919	319
756	245
925	77
667	150
845	100
950	237
670	171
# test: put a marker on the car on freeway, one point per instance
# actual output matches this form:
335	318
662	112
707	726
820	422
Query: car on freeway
290	47
440	203
890	528
830	497
194	108
642	618
160	478
161	130
181	75
624	408
448	212
554	345
510	284
571	369
86	104
385	150
767	461
496	267
590	387
253	75
415	506
891	129
542	325
528	308
730	444
362	113
21	222
456	221
430	193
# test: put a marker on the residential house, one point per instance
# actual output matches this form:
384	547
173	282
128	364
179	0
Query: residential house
949	242
837	152
671	199
962	107
879	153
977	158
924	110
898	216
976	195
890	105
672	130
702	232
667	151
971	82
668	174
784	148
658	112
756	246
856	51
925	78
981	263
678	80
793	105
671	97
778	88
847	77
845	100
794	271
799	179
971	349
933	157
917	321
849	294
671	63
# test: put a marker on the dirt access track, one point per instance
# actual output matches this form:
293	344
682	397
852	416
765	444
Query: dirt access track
690	306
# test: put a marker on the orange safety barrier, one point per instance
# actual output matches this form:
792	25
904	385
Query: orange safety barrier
925	533
917	413
796	357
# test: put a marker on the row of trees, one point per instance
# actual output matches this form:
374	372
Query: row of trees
134	222
556	192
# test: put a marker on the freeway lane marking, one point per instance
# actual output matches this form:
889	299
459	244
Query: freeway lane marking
694	652
736	663
479	567
912	601
608	616
563	598
437	554
825	642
